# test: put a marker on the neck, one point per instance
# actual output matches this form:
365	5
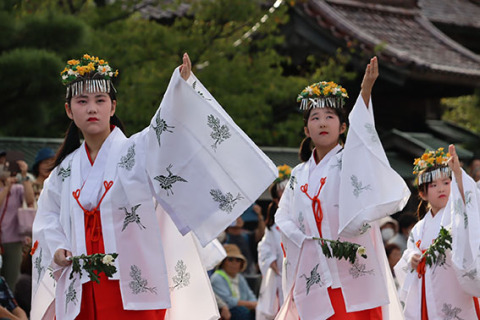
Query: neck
230	274
94	143
321	152
435	211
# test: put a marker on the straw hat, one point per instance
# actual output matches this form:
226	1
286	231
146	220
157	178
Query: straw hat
233	251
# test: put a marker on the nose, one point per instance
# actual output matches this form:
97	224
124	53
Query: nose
91	108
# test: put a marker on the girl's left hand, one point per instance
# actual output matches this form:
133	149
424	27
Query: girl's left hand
371	74
186	67
454	162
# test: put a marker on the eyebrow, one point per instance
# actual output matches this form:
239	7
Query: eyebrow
82	96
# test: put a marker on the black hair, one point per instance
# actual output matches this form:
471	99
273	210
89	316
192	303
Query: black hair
272	207
71	142
406	220
306	145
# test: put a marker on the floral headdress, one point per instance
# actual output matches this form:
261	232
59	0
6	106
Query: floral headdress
322	94
88	74
437	160
284	172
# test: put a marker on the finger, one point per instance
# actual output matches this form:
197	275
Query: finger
374	63
452	150
189	62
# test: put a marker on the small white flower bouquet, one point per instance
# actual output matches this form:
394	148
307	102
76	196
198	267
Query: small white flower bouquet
94	264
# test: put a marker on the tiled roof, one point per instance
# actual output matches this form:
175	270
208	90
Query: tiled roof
465	13
410	41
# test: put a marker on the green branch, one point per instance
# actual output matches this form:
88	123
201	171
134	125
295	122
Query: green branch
94	264
341	249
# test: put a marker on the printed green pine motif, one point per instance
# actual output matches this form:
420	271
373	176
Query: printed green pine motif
220	133
128	161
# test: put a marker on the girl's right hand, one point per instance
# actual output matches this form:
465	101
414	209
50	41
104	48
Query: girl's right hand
274	267
61	256
415	260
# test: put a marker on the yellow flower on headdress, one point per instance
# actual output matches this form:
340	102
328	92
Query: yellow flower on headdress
320	90
87	66
430	159
284	172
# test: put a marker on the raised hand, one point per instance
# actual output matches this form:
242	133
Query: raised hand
186	67
371	74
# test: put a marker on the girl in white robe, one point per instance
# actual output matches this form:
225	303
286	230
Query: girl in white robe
338	193
444	288
270	254
199	166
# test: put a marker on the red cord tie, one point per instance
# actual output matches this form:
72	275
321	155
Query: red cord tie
94	214
421	267
316	205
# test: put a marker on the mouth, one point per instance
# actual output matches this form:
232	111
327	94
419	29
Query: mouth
442	196
323	133
92	119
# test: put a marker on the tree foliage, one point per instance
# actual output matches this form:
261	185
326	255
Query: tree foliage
232	43
464	111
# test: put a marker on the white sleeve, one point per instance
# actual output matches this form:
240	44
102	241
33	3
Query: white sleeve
266	252
284	218
369	188
465	231
203	169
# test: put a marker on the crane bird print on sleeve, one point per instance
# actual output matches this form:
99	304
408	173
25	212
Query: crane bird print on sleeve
161	127
166	182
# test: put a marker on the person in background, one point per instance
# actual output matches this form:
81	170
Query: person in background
406	222
270	255
12	195
9	308
3	156
394	253
232	287
247	240
23	287
388	228
41	169
223	308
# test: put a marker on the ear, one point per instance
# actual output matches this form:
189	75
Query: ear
307	133
343	128
68	110
114	107
422	195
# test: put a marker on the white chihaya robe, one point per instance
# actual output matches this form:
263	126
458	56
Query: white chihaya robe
196	162
271	294
450	287
360	188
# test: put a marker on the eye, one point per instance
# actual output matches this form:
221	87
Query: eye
329	117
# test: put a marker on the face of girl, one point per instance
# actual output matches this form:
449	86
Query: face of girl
437	194
232	266
324	127
91	113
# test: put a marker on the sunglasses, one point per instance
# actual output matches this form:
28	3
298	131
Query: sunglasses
231	259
